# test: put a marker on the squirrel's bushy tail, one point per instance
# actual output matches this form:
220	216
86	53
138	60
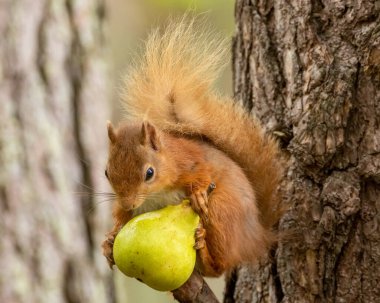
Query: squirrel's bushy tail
172	87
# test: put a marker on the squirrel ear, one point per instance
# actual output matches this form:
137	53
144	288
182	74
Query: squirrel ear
149	135
111	132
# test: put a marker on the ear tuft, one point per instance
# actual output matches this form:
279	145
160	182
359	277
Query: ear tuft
111	132
149	135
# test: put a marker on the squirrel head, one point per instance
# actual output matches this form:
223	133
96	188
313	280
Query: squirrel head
137	165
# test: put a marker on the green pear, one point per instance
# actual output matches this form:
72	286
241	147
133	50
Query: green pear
158	247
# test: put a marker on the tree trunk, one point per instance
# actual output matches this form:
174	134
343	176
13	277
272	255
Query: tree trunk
310	71
52	113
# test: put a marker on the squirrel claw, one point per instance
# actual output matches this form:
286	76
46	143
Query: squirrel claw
199	203
107	246
110	262
211	187
199	245
200	234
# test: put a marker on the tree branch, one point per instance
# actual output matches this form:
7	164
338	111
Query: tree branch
195	290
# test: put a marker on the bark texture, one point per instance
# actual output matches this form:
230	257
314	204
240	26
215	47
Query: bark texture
195	290
52	113
310	69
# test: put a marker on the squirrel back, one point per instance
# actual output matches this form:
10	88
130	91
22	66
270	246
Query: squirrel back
172	86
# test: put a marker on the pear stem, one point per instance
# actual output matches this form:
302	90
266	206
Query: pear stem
195	290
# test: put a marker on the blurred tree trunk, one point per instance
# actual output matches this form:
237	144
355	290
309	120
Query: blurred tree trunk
52	114
311	70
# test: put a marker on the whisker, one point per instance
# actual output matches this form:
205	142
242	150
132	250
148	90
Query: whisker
151	197
86	186
97	203
95	194
84	161
103	201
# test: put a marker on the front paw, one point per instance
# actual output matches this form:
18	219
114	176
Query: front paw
199	203
200	234
107	246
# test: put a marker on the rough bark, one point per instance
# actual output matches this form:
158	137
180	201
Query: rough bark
310	70
52	113
195	290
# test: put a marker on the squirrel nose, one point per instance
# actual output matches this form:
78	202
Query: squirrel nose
126	203
129	203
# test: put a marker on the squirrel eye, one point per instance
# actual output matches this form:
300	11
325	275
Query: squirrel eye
149	173
105	172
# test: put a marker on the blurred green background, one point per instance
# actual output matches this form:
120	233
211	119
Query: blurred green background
129	23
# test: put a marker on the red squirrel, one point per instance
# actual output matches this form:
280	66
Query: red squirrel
182	140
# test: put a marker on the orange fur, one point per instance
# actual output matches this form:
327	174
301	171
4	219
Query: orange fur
234	233
172	88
